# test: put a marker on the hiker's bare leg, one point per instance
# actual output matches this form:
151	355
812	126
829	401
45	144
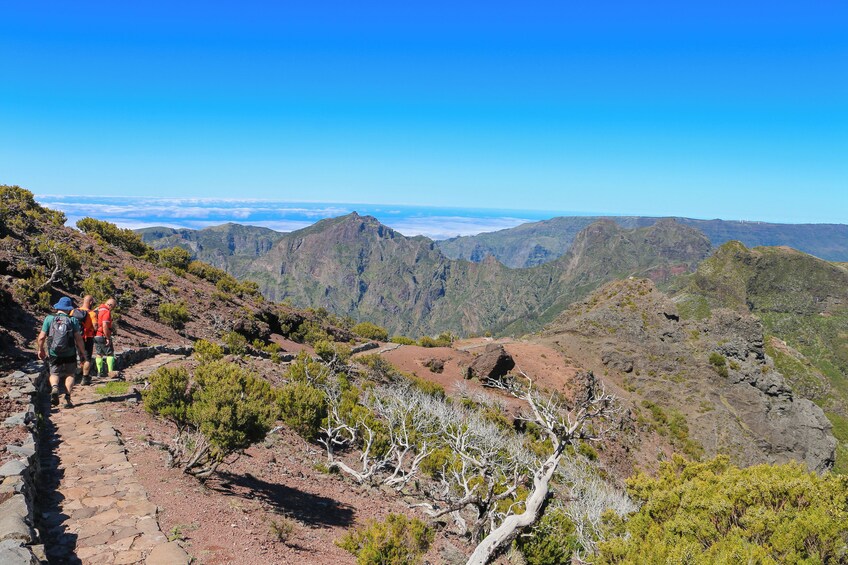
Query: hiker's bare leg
69	384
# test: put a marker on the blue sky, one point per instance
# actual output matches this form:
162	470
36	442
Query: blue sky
701	109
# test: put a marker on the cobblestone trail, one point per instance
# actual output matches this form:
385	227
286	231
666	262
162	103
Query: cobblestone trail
96	512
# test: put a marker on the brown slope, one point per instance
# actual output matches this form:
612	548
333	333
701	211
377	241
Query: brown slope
631	332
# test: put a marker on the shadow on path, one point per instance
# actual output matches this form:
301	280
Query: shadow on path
311	509
59	545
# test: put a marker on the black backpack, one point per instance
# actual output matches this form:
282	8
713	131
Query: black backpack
61	336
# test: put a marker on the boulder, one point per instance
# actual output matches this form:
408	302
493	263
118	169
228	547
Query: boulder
435	365
493	363
617	360
168	554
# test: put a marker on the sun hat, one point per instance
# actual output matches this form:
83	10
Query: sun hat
65	304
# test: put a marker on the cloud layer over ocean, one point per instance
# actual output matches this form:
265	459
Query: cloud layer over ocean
138	212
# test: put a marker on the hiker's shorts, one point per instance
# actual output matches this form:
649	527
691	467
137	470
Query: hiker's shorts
102	348
89	347
62	366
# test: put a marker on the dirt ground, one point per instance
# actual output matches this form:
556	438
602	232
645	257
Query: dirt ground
233	516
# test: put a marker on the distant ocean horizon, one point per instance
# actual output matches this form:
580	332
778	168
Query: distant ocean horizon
435	222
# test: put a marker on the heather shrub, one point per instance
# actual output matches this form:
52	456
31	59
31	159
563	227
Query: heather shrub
714	512
550	541
108	232
403	340
396	541
719	364
174	314
222	411
175	258
235	342
136	275
302	408
370	331
336	354
99	285
207	352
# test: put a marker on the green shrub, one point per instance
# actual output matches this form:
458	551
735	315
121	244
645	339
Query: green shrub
136	275
235	342
175	258
714	512
719	364
444	339
312	333
230	407
330	352
396	541
125	239
206	352
100	286
304	369
370	331
206	271
164	279
302	407
403	340
174	314
19	212
168	394
551	541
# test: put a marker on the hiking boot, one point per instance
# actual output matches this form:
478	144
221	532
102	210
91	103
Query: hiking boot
86	380
68	403
54	396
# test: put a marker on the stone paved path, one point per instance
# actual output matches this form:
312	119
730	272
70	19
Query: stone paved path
98	512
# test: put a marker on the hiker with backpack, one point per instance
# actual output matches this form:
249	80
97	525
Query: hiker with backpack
87	317
65	340
103	346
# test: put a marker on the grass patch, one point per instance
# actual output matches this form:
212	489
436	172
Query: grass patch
114	388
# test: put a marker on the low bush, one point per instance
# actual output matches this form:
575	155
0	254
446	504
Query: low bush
174	314
443	340
370	331
396	541
100	286
207	352
235	342
224	410
136	275
336	354
302	407
719	364
125	239
175	258
551	541
403	340
714	512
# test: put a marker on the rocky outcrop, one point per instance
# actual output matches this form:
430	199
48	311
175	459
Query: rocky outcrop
493	363
751	414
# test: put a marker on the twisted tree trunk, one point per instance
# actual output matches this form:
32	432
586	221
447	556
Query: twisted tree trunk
512	525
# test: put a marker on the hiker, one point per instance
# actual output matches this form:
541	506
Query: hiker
87	317
61	354
103	346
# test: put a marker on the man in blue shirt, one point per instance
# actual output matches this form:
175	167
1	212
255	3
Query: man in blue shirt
65	336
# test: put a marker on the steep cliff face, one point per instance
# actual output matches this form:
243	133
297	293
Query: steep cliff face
229	246
356	266
802	303
714	372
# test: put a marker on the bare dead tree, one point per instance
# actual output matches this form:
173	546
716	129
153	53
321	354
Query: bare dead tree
564	423
486	467
400	412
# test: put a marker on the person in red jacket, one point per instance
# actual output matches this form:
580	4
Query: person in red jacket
103	346
87	317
